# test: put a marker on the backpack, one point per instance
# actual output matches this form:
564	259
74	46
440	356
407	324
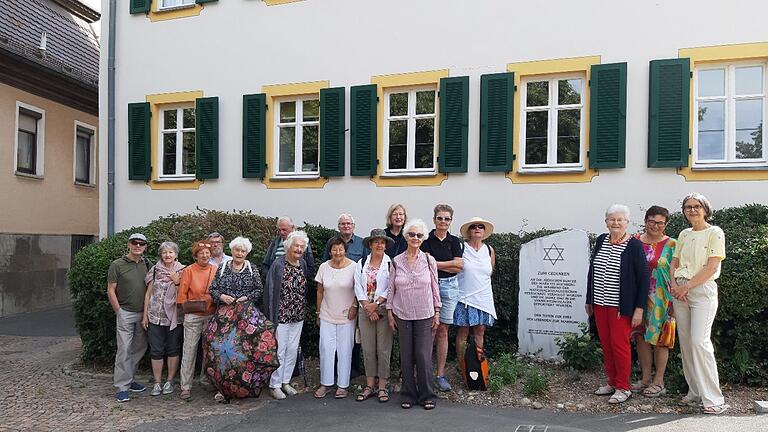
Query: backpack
475	367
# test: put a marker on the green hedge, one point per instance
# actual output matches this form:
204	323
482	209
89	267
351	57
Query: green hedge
740	334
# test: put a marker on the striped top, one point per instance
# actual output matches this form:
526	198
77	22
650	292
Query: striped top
413	292
608	272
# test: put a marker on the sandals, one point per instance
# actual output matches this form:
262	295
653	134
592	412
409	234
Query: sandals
366	394
689	401
639	387
716	409
429	405
383	395
341	393
654	390
620	396
406	405
321	392
605	390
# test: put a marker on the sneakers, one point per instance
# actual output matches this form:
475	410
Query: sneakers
157	390
218	397
289	390
277	393
442	383
167	388
122	396
136	387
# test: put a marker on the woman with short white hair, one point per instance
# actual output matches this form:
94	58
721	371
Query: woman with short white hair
617	286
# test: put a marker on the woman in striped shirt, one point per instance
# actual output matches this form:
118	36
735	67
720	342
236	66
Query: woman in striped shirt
616	291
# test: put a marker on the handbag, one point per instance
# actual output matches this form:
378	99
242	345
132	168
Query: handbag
193	306
667	336
475	367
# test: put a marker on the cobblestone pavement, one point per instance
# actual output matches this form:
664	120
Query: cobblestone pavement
40	391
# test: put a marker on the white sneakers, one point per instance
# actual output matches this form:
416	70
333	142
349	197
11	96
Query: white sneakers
281	393
289	390
165	389
277	393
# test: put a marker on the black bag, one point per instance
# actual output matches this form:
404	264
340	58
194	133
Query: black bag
475	367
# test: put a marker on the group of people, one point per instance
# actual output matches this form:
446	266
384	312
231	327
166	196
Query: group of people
647	285
404	278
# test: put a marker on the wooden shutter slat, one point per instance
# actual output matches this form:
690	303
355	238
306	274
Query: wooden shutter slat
332	127
454	119
254	135
207	138
363	132
139	6
497	93
608	115
139	141
669	113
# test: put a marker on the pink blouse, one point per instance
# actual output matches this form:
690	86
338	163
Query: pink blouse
414	294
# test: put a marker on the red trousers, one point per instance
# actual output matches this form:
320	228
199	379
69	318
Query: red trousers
614	331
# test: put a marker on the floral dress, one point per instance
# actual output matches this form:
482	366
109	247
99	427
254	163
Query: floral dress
659	256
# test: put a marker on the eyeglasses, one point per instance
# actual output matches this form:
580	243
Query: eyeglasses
412	234
138	243
216	242
398	214
696	207
477	226
443	219
655	223
345	223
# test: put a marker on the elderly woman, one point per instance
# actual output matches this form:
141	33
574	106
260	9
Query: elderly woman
617	285
413	309
336	313
160	318
396	218
650	348
285	302
237	281
695	266
475	309
198	307
371	290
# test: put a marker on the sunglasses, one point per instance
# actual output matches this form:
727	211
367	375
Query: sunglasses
207	245
477	226
412	234
443	219
138	243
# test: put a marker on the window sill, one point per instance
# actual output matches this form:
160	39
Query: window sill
550	170
295	177
175	8
174	179
408	174
29	176
85	185
731	167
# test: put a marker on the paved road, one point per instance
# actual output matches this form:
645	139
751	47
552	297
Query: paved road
53	322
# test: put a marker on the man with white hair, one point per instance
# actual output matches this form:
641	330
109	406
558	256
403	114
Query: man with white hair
355	247
286	226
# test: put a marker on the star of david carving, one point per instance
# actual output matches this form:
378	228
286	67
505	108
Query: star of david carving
549	254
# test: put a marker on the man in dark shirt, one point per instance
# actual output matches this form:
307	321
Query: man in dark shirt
447	250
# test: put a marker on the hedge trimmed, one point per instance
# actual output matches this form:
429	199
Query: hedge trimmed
740	334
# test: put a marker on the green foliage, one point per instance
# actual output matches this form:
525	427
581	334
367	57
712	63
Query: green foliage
503	371
536	381
581	352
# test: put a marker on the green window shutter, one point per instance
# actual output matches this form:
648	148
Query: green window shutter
254	135
332	127
608	115
454	122
497	110
139	141
207	138
363	132
669	113
205	1
140	6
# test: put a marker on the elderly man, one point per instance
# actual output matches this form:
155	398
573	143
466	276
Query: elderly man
276	249
126	290
355	247
218	256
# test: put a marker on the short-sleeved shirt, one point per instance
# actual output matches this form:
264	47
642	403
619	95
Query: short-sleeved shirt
443	250
338	292
694	248
129	276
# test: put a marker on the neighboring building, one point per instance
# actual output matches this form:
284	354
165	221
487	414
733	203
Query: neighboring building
531	114
49	56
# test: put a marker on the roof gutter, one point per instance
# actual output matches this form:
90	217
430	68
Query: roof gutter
111	119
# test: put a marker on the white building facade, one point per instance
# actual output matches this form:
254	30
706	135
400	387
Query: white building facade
533	115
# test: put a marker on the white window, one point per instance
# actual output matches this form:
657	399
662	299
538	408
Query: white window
552	120
409	131
85	157
173	4
297	133
177	142
730	107
30	142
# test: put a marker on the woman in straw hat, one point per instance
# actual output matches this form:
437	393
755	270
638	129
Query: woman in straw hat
475	309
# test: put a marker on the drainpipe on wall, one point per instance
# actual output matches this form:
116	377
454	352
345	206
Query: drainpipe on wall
111	120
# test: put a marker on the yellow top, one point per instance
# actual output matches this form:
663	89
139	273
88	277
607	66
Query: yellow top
694	248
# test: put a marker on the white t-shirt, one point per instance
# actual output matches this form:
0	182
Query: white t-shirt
338	292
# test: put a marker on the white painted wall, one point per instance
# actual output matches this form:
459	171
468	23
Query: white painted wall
236	46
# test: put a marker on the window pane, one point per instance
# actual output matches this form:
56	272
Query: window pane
711	116
569	92
25	159
711	131
309	149
712	82
398	104
311	111
169	119
169	153
537	93
712	145
425	131
188	153
189	118
568	127
398	132
749	139
287	112
82	159
536	137
287	155
425	155
749	80
425	102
